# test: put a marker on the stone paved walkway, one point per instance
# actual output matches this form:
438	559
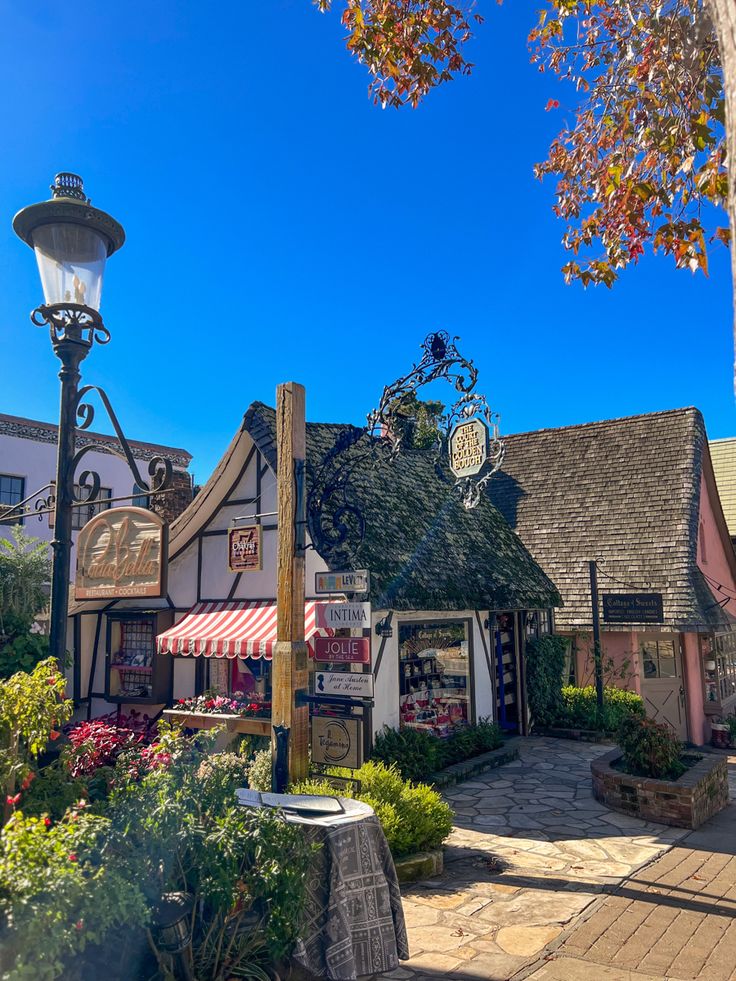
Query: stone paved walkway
530	851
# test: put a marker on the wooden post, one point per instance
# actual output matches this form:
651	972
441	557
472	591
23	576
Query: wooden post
290	655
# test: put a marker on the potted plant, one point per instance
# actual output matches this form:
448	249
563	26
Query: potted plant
720	735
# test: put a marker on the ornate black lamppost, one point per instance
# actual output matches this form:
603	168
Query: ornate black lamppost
72	241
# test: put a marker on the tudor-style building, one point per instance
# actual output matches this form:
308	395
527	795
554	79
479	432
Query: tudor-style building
462	592
639	496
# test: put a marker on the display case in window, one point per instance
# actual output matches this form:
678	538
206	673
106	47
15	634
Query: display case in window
434	676
718	659
135	672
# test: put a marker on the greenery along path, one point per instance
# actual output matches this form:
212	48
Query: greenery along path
530	851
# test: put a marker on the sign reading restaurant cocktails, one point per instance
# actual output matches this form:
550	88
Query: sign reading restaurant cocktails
343	615
343	650
121	553
245	549
468	447
350	581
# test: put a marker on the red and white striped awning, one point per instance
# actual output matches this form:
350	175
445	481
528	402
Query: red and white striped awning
232	629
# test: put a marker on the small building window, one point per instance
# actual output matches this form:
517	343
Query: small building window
434	676
659	658
140	498
83	513
12	491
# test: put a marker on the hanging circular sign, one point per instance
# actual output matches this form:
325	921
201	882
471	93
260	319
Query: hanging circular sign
468	447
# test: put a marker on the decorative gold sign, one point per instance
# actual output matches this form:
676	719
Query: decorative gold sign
245	549
468	448
121	553
337	742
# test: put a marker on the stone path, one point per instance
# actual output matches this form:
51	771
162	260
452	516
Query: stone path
530	851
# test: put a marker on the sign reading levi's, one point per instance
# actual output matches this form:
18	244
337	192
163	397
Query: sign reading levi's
343	650
121	553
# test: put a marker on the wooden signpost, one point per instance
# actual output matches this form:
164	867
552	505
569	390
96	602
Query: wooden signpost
290	654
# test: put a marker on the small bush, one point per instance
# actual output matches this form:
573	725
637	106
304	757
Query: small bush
259	772
545	663
651	749
580	708
417	754
413	816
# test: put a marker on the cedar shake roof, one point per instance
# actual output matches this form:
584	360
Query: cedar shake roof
423	549
723	455
625	492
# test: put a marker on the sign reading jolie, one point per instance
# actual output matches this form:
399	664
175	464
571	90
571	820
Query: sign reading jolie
245	549
343	650
337	742
468	447
121	553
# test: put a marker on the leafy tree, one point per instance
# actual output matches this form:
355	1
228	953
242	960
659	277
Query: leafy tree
24	576
419	422
645	159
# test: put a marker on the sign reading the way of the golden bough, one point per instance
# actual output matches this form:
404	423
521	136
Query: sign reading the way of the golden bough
121	553
468	447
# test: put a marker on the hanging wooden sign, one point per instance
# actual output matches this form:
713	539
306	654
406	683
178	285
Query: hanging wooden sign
337	742
343	683
245	548
121	553
632	608
468	447
343	650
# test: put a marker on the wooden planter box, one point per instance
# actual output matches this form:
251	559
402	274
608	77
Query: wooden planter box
206	720
699	793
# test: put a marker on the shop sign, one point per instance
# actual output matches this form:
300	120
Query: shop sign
337	742
245	549
336	615
349	581
468	447
121	553
343	650
344	683
632	607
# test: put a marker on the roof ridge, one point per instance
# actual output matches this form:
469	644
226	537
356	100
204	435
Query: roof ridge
684	410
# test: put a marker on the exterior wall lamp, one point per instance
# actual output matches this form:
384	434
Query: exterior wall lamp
384	628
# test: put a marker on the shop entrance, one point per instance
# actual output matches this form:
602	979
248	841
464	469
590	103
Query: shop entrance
507	680
662	684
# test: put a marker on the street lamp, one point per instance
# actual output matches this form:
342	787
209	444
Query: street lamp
72	241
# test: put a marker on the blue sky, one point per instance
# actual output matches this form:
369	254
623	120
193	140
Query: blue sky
281	227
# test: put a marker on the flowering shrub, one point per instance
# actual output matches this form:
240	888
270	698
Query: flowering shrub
651	749
211	703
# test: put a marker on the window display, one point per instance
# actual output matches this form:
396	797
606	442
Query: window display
434	676
718	654
135	672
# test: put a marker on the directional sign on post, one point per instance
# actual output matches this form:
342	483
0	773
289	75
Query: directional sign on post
343	650
343	615
349	581
343	683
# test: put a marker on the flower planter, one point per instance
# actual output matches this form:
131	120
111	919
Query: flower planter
422	865
697	795
208	720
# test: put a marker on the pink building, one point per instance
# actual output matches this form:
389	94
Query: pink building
639	496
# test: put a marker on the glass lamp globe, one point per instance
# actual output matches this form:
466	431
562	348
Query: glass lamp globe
72	241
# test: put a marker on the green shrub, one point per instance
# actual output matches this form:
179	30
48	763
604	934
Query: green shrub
580	708
651	749
417	754
545	663
259	771
413	816
53	791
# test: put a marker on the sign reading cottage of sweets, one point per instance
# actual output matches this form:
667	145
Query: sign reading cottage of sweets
468	447
120	554
632	607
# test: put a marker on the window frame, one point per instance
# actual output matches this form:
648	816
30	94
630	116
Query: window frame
3	505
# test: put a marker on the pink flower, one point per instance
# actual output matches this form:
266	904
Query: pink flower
79	925
72	857
28	780
12	800
54	734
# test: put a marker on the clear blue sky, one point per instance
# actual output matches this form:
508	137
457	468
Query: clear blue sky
281	227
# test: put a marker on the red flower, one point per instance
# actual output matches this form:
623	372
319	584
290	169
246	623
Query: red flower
47	822
12	800
79	925
28	780
54	734
51	681
72	857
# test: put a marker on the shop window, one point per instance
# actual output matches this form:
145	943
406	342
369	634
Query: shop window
659	659
723	675
85	512
136	673
12	490
435	682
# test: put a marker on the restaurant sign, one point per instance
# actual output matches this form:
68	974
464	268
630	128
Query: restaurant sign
468	447
245	549
344	683
632	607
121	553
343	650
337	742
336	615
349	581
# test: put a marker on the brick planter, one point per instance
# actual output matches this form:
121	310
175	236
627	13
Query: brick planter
700	792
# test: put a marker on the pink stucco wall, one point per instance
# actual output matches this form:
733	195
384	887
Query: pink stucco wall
712	558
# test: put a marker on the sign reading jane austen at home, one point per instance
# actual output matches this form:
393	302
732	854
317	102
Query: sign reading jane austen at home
337	742
632	608
468	447
245	549
343	650
343	683
121	553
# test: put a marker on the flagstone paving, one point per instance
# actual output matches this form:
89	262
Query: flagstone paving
531	849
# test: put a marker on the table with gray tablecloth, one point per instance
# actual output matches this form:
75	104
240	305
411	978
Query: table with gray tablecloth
353	921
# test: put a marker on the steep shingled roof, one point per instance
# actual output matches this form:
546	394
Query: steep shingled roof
423	549
625	492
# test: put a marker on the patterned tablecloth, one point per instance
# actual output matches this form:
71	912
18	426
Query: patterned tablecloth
354	922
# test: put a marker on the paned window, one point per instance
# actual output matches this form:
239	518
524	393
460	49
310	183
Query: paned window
131	667
434	676
12	490
659	658
140	497
84	512
724	650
